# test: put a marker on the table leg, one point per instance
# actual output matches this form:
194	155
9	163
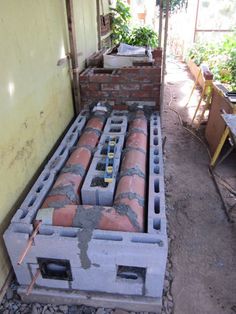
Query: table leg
219	147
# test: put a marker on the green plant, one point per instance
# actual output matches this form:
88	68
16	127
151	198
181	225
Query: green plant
143	36
122	32
220	57
120	22
174	4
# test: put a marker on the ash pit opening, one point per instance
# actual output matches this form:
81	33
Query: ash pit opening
99	182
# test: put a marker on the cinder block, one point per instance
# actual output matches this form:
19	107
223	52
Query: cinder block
119	113
156	193
95	191
111	301
62	152
41	187
103	146
116	125
124	261
34	199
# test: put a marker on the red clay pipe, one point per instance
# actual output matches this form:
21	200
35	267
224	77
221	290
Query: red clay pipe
104	218
131	187
127	214
66	189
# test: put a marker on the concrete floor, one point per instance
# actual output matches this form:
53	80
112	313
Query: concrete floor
203	245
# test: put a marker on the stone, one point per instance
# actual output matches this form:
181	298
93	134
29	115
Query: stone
119	311
73	309
101	311
166	284
169	297
63	308
9	294
34	309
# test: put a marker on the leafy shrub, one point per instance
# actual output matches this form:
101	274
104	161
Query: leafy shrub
221	59
120	22
143	36
122	31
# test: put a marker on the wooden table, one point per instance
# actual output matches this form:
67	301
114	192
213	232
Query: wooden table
230	130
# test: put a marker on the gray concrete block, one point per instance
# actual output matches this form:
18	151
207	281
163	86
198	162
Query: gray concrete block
93	299
119	113
38	192
116	125
94	190
35	197
102	146
156	193
63	151
109	252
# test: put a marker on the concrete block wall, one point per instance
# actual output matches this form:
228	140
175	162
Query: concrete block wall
95	191
137	84
156	193
41	187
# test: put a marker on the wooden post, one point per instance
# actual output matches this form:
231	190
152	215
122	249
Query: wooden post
160	23
164	56
73	55
99	24
196	21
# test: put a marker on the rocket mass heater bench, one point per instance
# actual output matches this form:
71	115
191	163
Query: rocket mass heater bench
92	229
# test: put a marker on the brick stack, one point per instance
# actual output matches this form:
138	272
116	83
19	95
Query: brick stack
137	84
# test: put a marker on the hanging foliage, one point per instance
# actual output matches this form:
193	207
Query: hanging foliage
123	32
120	22
174	4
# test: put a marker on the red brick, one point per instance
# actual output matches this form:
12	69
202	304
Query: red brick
110	87
122	94
99	78
120	107
150	87
130	86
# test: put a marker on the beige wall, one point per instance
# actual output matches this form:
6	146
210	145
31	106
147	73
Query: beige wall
35	93
86	28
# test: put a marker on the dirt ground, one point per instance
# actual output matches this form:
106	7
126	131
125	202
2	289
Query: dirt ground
203	242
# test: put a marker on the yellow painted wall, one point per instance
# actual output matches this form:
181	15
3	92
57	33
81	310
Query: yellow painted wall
35	96
86	28
105	8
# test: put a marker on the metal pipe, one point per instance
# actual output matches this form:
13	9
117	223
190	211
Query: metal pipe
29	244
196	21
31	286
